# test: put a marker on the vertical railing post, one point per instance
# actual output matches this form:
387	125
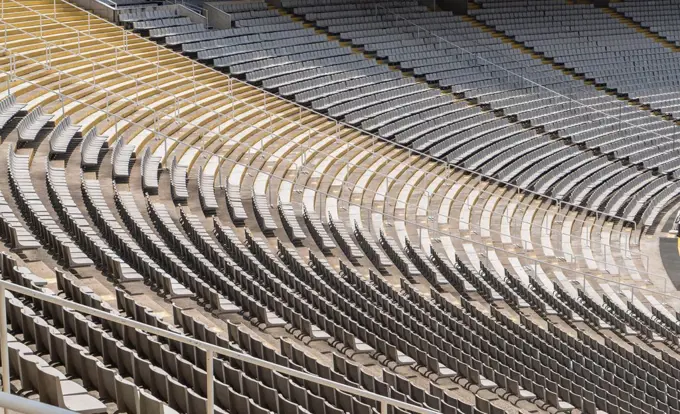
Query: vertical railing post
210	395
584	281
383	407
4	352
647	267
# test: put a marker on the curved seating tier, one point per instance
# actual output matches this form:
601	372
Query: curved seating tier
316	71
421	301
475	65
599	44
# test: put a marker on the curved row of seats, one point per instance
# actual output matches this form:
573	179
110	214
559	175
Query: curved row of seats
657	16
593	42
313	70
145	175
476	66
420	207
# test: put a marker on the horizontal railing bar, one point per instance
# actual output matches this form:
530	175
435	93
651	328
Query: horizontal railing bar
329	155
23	405
301	145
209	347
377	137
349	202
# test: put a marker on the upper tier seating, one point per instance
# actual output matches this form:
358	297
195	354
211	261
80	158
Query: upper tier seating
659	16
285	56
476	65
594	43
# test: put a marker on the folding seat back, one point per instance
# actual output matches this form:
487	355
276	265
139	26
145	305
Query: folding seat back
402	384
315	403
74	359
96	345
448	408
265	374
250	369
127	396
155	352
251	389
106	379
126	362
200	380
148	404
49	386
222	393
142	371
268	398
254	408
197	404
417	393
160	383
186	373
28	372
361	408
286	406
367	381
298	394
178	396
238	403
233	378
28	324
169	361
15	348
344	401
15	317
243	339
90	375
282	385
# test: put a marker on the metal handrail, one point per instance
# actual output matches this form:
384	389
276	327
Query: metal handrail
220	115
193	11
10	403
447	165
479	244
210	351
108	3
379	138
388	197
204	151
187	5
17	404
308	147
305	146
